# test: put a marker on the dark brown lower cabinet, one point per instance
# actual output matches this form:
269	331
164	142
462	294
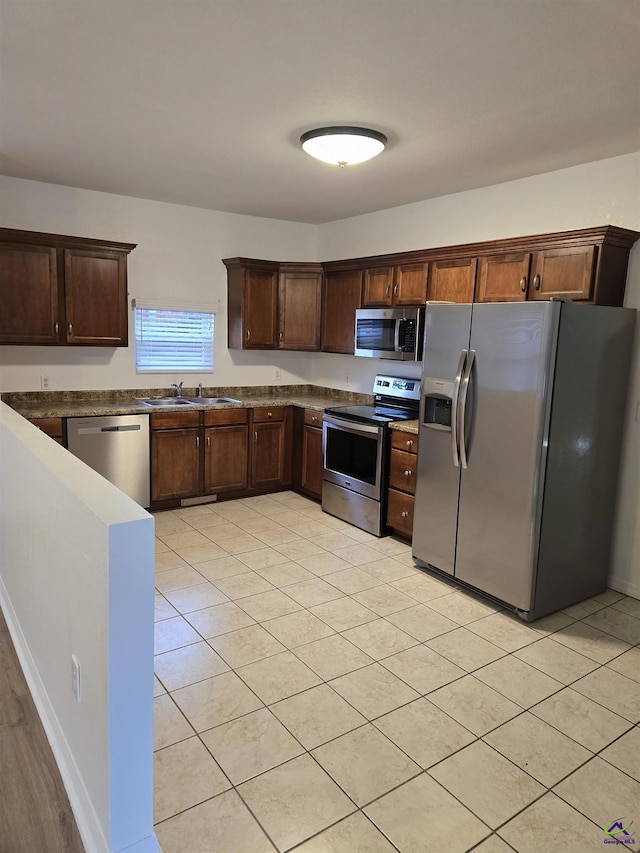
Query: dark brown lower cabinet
225	457
402	482
175	463
226	452
270	464
311	462
55	428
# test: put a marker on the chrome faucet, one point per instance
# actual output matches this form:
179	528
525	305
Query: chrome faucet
199	391
178	388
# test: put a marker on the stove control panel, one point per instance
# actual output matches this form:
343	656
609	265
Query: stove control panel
397	386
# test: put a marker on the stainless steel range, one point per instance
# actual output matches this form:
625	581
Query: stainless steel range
355	442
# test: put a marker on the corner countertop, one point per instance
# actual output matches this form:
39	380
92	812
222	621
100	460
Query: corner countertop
78	404
406	426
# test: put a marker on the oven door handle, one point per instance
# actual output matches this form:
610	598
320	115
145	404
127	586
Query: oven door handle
350	426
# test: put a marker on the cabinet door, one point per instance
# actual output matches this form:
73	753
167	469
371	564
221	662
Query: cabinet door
411	284
267	465
402	471
95	297
567	273
300	307
260	309
378	287
400	512
312	465
503	278
28	295
452	281
341	297
175	464
225	458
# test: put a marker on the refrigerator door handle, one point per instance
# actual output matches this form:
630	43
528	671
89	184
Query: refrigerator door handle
454	408
463	407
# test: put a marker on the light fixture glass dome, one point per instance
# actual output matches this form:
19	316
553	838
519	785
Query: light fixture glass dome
343	146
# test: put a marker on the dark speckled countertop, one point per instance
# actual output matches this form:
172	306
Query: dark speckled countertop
78	404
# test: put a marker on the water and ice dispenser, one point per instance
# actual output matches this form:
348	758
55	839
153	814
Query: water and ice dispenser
438	394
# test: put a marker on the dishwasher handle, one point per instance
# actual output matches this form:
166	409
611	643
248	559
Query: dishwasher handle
96	430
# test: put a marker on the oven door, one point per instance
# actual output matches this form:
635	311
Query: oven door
353	455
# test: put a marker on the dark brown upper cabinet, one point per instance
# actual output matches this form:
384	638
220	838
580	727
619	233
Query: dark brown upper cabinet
452	280
56	289
341	295
299	306
503	278
273	305
252	289
401	284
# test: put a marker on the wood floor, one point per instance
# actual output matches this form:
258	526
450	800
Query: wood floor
35	816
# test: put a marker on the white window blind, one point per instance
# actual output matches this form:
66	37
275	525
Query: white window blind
173	341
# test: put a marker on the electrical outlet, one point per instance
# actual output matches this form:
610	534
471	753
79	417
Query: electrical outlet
347	379
75	677
277	374
44	383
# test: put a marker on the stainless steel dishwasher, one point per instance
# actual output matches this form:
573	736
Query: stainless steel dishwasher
117	447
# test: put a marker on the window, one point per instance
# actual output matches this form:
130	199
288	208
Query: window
173	341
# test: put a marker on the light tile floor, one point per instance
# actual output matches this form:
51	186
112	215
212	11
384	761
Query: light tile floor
316	691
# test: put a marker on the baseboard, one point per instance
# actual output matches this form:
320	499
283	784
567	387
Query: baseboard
86	818
624	585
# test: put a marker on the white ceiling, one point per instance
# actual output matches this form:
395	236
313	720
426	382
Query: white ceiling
202	102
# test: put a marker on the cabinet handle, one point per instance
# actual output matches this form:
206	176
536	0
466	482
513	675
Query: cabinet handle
388	290
408	473
410	443
269	414
281	336
536	282
523	284
395	290
70	328
314	417
55	328
208	441
248	336
197	441
404	513
255	435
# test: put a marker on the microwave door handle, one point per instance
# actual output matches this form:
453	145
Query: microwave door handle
454	408
464	391
396	337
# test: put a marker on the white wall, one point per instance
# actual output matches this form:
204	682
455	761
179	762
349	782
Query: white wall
178	256
77	578
606	192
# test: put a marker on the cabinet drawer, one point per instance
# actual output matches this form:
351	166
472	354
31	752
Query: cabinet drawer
51	426
400	512
175	420
273	413
404	441
313	418
221	417
402	471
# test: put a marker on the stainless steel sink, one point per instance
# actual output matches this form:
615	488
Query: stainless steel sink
166	401
211	401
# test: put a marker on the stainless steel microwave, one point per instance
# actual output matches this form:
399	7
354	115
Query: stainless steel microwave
390	333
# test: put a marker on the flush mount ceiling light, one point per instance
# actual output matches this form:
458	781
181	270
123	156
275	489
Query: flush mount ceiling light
343	146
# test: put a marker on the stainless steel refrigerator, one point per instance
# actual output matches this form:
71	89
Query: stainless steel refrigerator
520	429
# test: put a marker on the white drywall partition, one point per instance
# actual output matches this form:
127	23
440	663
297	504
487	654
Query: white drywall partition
77	578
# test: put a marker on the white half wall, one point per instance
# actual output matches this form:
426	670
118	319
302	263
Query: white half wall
77	578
